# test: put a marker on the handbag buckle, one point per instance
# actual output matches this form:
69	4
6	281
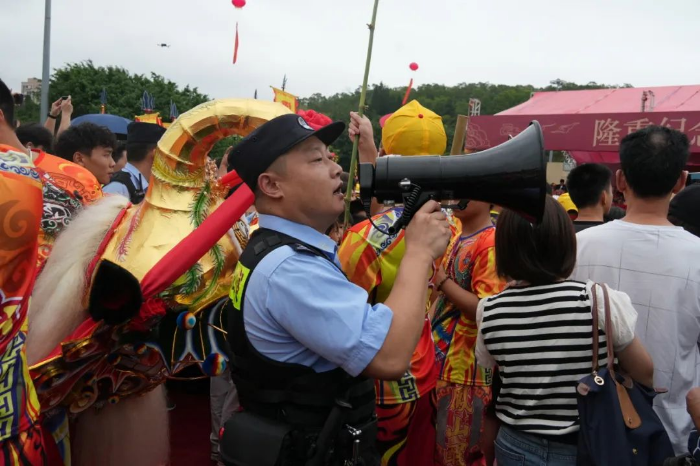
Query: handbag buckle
598	379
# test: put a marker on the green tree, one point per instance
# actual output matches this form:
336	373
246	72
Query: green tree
28	112
446	101
85	81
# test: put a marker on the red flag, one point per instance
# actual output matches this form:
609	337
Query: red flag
408	92
235	46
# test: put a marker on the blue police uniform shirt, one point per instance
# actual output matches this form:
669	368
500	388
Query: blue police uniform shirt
300	308
140	182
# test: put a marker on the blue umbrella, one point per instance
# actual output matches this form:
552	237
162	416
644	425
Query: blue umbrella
114	123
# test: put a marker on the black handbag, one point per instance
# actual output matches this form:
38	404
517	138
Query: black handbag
618	423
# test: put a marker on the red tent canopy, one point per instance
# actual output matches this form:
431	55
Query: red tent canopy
590	124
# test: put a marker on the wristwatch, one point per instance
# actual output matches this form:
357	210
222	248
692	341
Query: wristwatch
51	116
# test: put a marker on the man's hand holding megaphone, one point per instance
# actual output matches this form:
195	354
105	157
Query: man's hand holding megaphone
428	233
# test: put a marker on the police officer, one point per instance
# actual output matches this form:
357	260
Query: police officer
132	181
304	340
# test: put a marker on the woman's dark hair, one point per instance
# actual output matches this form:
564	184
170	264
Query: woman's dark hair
539	254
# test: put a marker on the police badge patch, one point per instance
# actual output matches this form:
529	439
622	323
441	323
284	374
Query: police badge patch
304	124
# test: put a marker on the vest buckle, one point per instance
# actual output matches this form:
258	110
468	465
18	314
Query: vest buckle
355	434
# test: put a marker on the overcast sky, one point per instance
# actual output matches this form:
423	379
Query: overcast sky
321	44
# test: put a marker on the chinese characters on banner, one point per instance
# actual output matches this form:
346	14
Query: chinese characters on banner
581	132
609	132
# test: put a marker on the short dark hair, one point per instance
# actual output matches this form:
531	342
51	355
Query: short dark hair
83	138
37	134
587	182
118	153
653	159
7	104
137	151
539	254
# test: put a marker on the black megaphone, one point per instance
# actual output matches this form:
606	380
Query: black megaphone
512	175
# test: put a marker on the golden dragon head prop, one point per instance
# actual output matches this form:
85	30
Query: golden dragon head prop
102	361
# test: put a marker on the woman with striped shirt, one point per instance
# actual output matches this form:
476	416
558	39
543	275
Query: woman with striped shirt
538	333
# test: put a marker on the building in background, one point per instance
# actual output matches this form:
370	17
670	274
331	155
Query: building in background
32	88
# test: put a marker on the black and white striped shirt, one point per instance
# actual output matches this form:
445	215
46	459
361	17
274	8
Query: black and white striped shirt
540	337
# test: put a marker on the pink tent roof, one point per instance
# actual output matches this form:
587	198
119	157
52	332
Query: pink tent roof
628	100
590	123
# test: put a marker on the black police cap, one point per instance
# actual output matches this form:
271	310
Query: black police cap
143	133
256	152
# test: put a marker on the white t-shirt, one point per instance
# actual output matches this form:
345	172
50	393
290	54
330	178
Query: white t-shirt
659	268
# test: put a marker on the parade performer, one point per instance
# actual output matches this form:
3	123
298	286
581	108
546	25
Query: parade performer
371	259
131	295
302	336
467	274
21	439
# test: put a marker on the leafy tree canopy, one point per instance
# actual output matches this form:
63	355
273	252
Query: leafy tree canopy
85	81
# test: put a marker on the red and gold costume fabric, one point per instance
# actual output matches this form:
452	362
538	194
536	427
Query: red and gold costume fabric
371	260
471	263
67	188
406	434
20	217
460	424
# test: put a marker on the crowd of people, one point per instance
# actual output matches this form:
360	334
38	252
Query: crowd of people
460	340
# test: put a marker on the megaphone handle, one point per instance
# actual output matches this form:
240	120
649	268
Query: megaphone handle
414	201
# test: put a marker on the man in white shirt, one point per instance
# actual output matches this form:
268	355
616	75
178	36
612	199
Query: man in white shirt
656	264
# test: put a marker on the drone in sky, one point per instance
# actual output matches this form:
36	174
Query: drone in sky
163	45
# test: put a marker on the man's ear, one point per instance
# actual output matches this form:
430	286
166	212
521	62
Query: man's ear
621	181
79	158
680	184
268	184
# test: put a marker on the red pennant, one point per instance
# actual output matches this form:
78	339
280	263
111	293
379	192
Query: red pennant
408	92
235	46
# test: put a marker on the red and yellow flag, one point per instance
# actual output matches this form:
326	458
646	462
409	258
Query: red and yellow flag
286	99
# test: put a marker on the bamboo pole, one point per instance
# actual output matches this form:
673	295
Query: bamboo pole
361	111
460	134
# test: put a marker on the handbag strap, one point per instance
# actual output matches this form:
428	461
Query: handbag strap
608	332
594	316
608	328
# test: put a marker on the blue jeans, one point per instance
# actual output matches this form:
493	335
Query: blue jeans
515	448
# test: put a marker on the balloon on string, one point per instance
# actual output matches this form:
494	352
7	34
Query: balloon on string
238	3
413	66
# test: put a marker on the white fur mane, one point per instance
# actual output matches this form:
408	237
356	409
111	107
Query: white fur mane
56	308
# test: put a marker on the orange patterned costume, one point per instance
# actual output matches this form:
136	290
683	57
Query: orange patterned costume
406	408
67	188
464	388
21	440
